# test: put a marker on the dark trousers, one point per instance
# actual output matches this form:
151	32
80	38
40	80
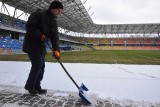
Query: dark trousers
37	70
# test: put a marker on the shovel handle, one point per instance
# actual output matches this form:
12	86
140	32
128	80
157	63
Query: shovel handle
68	73
63	66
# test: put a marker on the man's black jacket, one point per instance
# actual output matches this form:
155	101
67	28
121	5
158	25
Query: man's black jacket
39	23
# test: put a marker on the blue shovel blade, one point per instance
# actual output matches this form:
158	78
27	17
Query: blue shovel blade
82	90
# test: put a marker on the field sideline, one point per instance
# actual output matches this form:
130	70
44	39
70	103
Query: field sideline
98	56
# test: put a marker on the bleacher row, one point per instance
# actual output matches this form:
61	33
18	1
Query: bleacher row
9	45
96	41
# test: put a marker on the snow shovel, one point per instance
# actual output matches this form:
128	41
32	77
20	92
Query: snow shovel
82	89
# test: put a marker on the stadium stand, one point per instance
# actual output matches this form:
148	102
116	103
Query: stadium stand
12	43
123	43
67	43
70	43
8	45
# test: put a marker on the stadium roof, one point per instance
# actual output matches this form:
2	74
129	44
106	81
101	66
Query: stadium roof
76	18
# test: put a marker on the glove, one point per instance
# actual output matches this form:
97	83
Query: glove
43	37
56	54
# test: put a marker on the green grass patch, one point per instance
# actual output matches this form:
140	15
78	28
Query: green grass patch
107	57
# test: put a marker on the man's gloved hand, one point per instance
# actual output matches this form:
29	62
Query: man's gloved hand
56	54
43	37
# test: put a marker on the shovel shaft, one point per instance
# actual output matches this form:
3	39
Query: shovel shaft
68	73
63	67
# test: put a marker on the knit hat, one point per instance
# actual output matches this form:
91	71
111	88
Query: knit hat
55	5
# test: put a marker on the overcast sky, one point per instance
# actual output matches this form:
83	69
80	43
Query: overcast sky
124	11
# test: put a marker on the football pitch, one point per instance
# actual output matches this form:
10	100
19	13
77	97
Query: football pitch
98	56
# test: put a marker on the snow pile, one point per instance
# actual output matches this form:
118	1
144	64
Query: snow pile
93	97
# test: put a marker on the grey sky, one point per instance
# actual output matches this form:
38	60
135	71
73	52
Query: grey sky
124	11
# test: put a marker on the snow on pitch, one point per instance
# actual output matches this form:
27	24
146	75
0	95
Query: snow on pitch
115	82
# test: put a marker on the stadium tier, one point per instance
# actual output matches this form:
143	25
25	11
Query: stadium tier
9	45
120	41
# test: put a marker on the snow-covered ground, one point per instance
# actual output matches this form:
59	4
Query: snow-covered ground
115	82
